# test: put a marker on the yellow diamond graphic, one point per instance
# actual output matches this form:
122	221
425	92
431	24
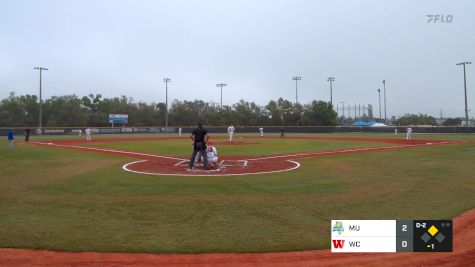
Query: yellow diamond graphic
433	230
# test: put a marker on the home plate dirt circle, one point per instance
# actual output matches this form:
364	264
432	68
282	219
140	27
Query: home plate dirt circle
226	167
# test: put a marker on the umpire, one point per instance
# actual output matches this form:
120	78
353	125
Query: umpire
199	137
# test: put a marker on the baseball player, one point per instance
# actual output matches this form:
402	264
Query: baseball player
231	132
409	133
282	133
212	154
88	134
27	134
180	130
199	137
261	130
395	131
10	137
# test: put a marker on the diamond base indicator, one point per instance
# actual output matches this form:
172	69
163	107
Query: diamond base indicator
433	236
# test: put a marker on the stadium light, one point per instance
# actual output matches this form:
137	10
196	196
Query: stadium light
41	69
379	94
343	108
166	80
221	85
384	85
331	80
296	78
465	88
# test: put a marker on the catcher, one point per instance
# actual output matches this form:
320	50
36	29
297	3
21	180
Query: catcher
212	155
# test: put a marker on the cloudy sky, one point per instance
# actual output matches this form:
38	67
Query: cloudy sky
127	47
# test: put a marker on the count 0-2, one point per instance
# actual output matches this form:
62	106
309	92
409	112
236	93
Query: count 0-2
420	225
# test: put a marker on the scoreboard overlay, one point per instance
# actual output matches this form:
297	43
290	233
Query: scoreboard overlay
391	236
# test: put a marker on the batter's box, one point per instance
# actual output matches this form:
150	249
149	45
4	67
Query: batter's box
233	163
222	163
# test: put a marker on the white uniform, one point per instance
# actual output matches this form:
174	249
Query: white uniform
179	131
88	134
409	133
261	130
231	133
212	154
395	131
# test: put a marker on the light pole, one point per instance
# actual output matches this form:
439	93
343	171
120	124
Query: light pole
384	85
379	95
41	69
465	88
166	80
296	78
221	86
331	80
343	108
337	114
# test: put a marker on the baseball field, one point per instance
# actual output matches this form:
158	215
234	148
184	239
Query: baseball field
134	194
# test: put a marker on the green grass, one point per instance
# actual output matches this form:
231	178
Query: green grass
54	198
263	147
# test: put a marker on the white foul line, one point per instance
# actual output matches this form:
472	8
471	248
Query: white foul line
349	150
110	150
297	165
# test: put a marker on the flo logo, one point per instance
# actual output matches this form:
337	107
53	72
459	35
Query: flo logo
338	227
440	18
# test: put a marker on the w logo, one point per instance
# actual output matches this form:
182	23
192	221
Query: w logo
338	243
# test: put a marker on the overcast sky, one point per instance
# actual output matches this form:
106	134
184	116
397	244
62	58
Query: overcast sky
127	47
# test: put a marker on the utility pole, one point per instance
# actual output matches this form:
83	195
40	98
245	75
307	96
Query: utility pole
331	80
379	95
296	78
41	69
465	88
384	84
166	80
221	86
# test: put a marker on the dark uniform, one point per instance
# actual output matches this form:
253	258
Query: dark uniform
200	136
27	135
282	133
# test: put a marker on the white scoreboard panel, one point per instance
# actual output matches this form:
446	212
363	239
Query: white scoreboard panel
391	236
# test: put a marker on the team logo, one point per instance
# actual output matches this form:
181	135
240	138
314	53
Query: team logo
338	243
338	227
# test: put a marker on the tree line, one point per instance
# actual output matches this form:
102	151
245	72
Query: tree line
93	110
